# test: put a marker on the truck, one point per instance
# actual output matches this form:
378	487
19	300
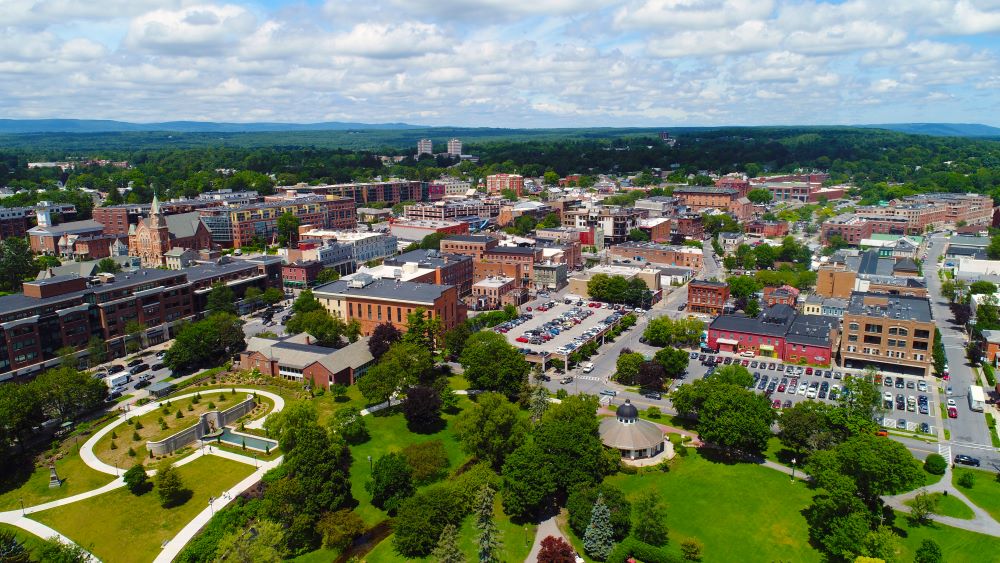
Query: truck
117	380
977	399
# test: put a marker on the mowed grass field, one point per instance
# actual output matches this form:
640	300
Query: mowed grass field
120	527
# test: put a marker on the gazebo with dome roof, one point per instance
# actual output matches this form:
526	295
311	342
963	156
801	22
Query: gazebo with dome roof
633	437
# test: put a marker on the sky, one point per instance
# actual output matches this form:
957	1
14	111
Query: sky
504	63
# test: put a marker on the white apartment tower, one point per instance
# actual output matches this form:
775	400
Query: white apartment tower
454	147
425	146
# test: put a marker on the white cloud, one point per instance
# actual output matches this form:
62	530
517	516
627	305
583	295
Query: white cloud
502	62
195	30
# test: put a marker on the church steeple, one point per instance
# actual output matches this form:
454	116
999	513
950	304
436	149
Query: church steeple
156	205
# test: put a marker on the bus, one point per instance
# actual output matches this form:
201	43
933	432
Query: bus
977	399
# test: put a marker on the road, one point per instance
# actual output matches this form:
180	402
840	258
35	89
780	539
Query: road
969	433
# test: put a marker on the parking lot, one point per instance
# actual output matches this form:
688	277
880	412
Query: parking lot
909	401
555	328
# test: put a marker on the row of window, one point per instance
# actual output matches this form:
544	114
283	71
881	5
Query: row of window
893	330
889	353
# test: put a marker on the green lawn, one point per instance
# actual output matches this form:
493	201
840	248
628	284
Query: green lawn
390	434
734	509
959	546
950	506
118	526
30	541
985	494
77	478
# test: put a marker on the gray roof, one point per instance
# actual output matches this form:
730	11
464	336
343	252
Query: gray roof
183	225
906	265
835	302
514	250
870	263
639	435
812	329
896	306
974	252
389	290
704	190
991	335
750	325
18	301
470	238
432	258
205	271
291	352
69	228
709	283
960	240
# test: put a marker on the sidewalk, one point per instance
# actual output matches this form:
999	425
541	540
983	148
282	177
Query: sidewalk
546	528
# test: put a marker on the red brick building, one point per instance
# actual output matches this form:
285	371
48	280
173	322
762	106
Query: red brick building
297	358
778	332
685	256
297	276
767	229
706	296
785	295
157	234
496	183
375	301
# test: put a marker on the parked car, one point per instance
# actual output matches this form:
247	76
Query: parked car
567	379
952	412
654	395
141	383
776	404
134	363
925	428
609	392
139	369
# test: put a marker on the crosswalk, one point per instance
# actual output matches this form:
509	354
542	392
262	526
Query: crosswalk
945	450
588	377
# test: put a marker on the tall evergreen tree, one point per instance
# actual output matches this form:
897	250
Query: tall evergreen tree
447	548
539	402
598	540
489	535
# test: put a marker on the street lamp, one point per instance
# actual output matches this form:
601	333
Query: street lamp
369	464
793	470
255	461
210	501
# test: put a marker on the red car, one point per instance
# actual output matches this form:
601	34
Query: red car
776	404
523	339
952	412
745	363
528	308
718	359
809	371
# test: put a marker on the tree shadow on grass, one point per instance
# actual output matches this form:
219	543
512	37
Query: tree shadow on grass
180	498
427	427
15	471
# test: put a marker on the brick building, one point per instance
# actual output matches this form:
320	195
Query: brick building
375	301
706	296
684	256
701	198
852	228
154	236
69	310
738	183
453	210
525	256
891	332
496	183
296	358
239	226
447	269
778	332
614	222
489	293
296	276
767	229
469	245
785	295
390	191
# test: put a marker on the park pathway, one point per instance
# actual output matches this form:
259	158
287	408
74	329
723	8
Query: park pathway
982	523
546	528
173	546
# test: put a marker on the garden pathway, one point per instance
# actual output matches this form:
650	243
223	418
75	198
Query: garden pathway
982	522
172	547
546	528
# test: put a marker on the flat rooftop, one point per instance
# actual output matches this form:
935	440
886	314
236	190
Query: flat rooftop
389	290
890	306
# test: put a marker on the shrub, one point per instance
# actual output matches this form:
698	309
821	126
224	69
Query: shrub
136	437
114	446
211	405
633	549
138	424
653	412
966	479
113	435
180	414
222	397
339	529
129	421
136	480
691	549
190	407
935	464
131	452
427	460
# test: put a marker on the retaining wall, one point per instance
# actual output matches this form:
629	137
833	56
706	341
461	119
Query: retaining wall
208	422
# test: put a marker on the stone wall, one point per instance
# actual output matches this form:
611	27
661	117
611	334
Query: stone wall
208	422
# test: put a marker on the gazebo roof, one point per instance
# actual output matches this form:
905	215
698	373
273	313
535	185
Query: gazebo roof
638	435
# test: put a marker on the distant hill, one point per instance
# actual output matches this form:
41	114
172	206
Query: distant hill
108	126
940	129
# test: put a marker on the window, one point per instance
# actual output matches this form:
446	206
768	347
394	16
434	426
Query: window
917	345
921	333
873	328
853	326
893	331
904	332
852	348
873	339
852	338
892	341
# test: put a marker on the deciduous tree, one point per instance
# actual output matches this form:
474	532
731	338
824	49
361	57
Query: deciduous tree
491	428
391	482
492	364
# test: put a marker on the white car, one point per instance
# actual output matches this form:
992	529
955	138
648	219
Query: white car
922	385
803	388
951	403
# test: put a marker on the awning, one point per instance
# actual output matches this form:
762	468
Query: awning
767	347
728	341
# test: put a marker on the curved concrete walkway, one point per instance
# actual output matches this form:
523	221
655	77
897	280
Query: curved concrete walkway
87	449
19	518
982	522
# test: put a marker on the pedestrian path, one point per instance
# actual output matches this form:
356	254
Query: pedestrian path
546	528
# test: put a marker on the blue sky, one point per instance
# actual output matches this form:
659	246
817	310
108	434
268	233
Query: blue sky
520	63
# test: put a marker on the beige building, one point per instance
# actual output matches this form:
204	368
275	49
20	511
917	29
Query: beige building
578	283
889	332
